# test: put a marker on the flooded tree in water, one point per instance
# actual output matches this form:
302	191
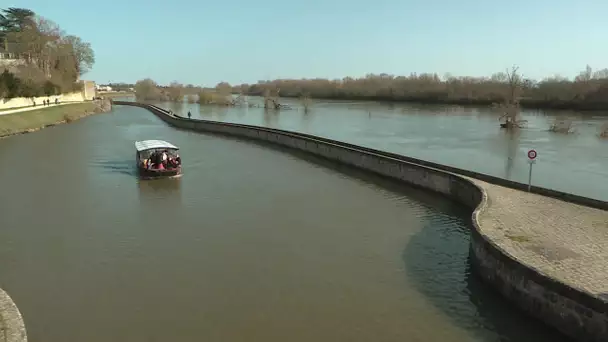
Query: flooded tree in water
562	124
604	131
306	101
223	94
223	88
175	92
510	105
272	99
241	100
205	97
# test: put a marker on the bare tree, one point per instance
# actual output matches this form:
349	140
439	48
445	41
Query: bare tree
306	102
515	81
562	124
84	56
146	89
175	92
585	76
223	94
223	88
272	99
47	46
510	104
205	97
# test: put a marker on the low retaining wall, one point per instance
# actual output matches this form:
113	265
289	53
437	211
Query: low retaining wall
573	312
27	102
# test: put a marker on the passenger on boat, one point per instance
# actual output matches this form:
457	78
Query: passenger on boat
155	160
149	163
165	158
173	162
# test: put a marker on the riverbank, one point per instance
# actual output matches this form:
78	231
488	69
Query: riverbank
27	121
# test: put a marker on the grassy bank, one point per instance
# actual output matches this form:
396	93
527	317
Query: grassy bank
33	120
12	108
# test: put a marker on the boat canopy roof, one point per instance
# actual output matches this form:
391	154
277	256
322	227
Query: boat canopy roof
154	144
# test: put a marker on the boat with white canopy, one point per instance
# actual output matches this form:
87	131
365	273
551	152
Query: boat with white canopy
157	159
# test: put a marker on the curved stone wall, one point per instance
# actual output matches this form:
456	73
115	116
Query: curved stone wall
571	310
11	322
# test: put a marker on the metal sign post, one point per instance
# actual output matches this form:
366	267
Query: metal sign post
531	160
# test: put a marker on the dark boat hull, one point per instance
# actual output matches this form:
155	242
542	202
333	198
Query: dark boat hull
157	174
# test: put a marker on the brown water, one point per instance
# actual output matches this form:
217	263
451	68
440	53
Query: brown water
467	138
251	244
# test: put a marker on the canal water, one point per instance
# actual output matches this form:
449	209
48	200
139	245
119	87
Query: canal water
251	244
466	138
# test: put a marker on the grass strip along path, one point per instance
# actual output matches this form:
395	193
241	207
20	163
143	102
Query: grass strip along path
33	120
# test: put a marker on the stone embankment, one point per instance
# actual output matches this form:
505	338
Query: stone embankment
543	250
12	328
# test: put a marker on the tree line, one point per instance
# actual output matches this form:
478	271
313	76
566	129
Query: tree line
587	91
505	92
37	57
148	90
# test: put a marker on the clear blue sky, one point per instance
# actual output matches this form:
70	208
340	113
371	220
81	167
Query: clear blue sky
203	42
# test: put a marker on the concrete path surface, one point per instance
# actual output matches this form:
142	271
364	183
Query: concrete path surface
564	241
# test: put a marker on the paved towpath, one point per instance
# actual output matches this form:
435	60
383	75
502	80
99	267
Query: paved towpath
565	241
25	109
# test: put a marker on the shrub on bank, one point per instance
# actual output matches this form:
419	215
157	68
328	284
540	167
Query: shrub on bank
12	86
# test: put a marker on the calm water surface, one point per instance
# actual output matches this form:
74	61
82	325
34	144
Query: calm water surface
461	137
252	244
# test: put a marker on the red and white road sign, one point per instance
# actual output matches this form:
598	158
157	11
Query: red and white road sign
532	154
